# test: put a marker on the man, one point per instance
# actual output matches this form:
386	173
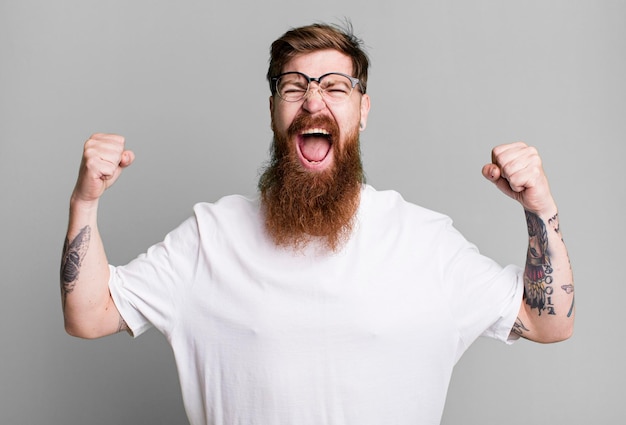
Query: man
322	301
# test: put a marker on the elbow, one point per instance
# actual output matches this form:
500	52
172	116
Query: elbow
566	333
560	337
87	320
76	330
566	330
560	334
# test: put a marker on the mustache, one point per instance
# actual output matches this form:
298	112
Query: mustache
304	121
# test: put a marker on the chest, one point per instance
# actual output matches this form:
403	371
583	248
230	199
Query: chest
349	302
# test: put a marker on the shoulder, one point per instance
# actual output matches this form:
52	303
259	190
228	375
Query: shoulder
386	214
228	207
231	215
391	205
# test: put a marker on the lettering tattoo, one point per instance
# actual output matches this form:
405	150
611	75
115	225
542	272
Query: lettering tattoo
538	275
554	222
519	328
72	258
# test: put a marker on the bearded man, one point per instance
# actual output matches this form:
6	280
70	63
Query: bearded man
322	300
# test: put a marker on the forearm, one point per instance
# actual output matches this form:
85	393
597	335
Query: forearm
547	311
88	308
84	276
548	282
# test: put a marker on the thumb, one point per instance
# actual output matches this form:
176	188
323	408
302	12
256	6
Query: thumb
127	158
491	172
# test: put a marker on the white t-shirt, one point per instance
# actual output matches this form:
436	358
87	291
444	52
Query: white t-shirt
365	336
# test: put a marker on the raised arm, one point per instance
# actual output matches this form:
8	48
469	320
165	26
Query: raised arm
547	310
88	308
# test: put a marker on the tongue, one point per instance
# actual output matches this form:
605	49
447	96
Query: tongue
315	148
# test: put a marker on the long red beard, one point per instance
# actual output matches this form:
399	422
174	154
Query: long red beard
300	205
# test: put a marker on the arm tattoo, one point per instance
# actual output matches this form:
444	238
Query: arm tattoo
569	289
519	328
538	275
122	326
72	258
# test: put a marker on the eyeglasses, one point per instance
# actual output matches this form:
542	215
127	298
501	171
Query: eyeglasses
334	87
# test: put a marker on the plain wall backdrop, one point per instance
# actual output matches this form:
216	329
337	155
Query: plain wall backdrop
184	82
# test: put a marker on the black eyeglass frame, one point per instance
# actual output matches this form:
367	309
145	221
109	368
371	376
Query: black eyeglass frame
353	81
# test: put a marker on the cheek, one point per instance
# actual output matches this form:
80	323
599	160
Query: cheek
350	123
281	119
350	116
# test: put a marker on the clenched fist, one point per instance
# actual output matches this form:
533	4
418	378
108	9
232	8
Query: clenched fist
104	158
516	169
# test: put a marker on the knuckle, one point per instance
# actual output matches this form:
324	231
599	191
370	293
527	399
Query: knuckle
90	151
92	162
105	137
90	143
505	169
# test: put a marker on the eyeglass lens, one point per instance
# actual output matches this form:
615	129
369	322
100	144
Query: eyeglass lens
293	87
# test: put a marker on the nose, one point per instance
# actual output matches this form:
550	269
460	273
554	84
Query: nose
314	100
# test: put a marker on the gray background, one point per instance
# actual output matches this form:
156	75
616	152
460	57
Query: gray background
184	82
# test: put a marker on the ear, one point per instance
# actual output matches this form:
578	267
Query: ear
365	109
272	112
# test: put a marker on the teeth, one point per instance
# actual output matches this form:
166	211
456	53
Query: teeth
316	131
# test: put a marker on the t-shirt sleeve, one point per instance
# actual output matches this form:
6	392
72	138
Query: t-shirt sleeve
147	290
485	297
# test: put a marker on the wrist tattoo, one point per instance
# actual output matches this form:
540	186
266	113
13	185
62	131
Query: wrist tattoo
554	222
72	258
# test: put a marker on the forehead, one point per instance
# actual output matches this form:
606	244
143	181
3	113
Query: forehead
320	62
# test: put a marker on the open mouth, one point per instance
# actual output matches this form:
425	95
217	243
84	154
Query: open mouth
314	145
